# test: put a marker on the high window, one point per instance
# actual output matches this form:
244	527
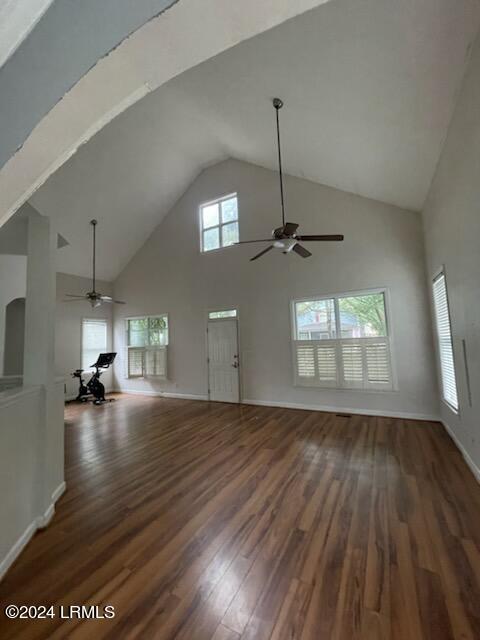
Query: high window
219	223
342	342
217	315
147	340
444	340
94	340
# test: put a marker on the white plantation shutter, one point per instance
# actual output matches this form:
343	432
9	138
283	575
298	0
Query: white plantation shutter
352	360
135	362
352	349
144	362
94	340
445	345
306	361
348	363
378	363
156	362
327	364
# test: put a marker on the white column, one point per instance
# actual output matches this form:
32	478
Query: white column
39	356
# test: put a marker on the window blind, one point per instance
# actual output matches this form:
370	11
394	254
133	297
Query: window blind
94	340
444	338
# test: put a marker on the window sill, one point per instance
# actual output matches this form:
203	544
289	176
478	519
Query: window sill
206	253
456	412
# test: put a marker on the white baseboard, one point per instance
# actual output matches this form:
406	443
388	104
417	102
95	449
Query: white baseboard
466	456
39	523
185	396
163	394
291	405
331	409
136	392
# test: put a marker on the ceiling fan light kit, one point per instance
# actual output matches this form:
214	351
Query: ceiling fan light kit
94	297
285	238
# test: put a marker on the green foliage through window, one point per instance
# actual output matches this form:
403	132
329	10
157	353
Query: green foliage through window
148	331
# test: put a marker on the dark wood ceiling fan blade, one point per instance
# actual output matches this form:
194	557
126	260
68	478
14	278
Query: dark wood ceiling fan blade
331	238
290	228
304	253
259	255
250	241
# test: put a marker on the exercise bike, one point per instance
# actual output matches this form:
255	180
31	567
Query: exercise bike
94	388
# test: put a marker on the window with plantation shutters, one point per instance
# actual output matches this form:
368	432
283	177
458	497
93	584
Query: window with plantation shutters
342	342
147	340
94	340
444	339
135	362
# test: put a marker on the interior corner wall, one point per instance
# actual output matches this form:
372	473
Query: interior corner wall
452	237
68	330
383	247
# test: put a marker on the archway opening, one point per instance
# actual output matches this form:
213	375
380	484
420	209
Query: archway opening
14	337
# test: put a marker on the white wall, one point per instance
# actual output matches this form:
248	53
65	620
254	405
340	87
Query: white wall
383	248
13	283
452	233
68	316
68	329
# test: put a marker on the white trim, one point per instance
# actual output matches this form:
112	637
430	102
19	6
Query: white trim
40	522
292	405
162	394
466	456
330	409
185	396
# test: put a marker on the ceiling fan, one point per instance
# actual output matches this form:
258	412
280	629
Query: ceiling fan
94	297
285	237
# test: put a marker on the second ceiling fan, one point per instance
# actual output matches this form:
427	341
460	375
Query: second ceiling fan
285	238
94	297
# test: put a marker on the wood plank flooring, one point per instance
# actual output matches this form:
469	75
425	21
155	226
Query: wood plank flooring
201	521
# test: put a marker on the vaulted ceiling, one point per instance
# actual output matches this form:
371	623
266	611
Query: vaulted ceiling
369	89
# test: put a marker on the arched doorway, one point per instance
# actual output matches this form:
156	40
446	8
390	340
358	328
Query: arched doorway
14	337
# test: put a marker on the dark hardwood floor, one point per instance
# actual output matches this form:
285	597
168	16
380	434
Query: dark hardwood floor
200	521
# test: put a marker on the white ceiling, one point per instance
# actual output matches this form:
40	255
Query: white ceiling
17	19
369	89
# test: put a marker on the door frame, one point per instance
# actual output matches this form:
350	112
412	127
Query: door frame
207	320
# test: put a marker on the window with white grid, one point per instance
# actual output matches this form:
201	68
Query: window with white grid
94	340
219	223
342	342
444	341
147	343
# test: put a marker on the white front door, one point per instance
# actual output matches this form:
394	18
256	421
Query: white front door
223	360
